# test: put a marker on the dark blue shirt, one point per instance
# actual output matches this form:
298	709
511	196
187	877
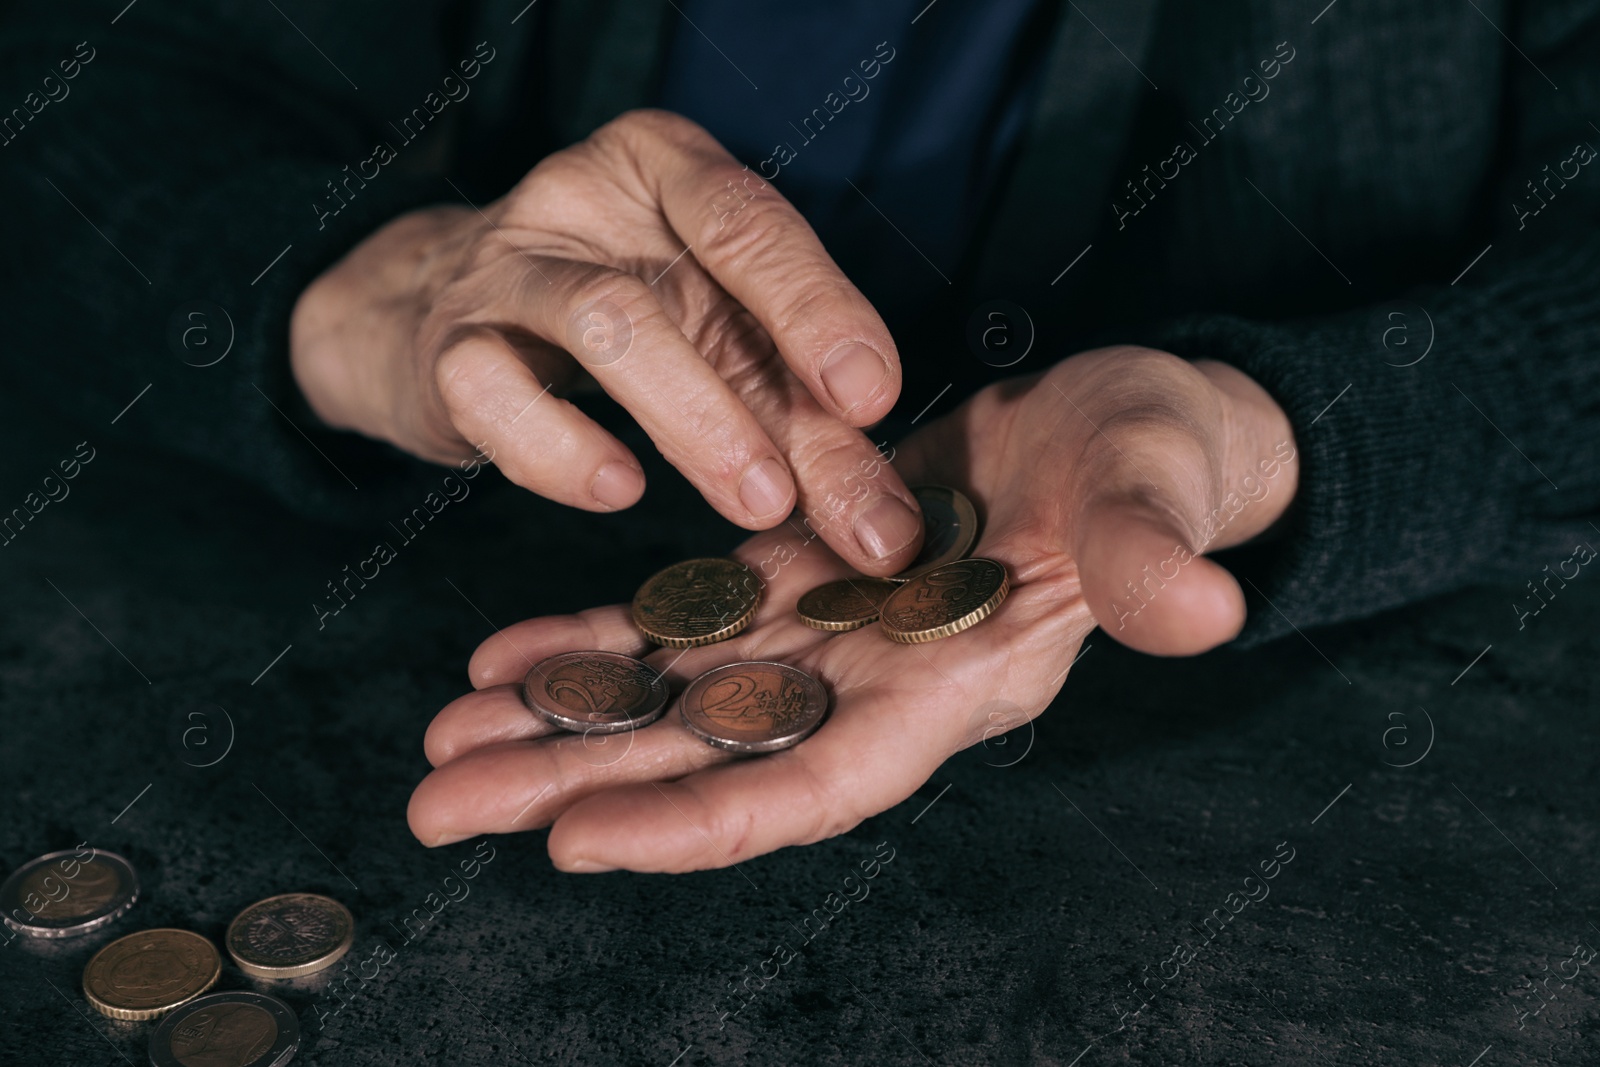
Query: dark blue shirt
887	124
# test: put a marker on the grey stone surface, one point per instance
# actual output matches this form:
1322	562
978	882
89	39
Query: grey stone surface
1032	883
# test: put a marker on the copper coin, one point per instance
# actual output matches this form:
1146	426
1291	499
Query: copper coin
66	893
944	601
754	707
233	1029
848	604
289	935
149	973
595	692
949	529
697	602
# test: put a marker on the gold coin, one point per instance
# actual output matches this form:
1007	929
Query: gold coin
944	601
697	602
848	604
149	973
949	529
290	934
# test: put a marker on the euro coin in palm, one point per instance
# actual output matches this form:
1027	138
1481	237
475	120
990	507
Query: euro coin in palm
66	893
945	601
147	974
949	529
847	604
289	935
595	692
233	1029
697	602
754	707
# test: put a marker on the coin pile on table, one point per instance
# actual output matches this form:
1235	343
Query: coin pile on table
756	707
167	973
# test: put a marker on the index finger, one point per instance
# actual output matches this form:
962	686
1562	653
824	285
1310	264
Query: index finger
763	252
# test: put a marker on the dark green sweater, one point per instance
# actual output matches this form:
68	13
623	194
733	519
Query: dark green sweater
1318	198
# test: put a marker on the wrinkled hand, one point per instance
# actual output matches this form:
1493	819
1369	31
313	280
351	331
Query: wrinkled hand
647	258
1114	461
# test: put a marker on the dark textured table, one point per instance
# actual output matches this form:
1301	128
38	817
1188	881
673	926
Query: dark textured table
1034	884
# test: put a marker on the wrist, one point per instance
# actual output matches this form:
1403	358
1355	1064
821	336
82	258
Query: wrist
352	330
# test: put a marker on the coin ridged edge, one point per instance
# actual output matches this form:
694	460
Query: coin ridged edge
835	625
966	622
665	641
696	642
321	963
137	1015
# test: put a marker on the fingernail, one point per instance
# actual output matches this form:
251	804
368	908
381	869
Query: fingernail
852	373
581	866
617	485
766	489
887	527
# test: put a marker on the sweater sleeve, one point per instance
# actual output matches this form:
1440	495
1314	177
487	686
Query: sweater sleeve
1452	435
170	179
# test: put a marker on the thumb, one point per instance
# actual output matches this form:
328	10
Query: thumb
1147	584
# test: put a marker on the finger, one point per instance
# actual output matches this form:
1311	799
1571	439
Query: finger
507	655
850	495
484	717
857	765
539	441
642	359
522	785
764	253
1147	585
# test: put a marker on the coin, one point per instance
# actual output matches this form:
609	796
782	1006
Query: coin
754	707
289	935
949	529
848	604
944	601
234	1029
149	973
595	692
697	602
66	893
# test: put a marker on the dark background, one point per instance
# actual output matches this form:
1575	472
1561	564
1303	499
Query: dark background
1006	929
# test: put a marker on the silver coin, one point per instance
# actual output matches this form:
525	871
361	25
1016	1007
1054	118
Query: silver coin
595	692
754	707
67	893
235	1029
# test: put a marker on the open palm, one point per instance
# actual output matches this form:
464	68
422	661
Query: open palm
659	799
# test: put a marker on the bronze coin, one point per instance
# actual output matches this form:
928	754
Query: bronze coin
149	973
66	893
697	602
595	692
944	601
754	707
949	529
289	935
848	604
